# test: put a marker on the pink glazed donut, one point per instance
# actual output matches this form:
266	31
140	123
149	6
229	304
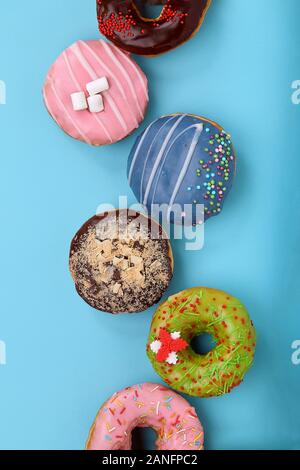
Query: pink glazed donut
96	93
146	406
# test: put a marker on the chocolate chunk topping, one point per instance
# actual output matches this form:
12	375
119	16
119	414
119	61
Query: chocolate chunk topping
121	262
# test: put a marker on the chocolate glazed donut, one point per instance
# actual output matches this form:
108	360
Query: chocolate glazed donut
123	24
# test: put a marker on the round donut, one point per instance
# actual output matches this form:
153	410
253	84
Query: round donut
109	90
185	162
148	405
121	261
123	24
189	314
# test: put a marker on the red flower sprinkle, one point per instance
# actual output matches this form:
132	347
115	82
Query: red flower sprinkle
169	345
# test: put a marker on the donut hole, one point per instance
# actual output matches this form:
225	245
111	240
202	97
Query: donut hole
202	344
150	9
143	439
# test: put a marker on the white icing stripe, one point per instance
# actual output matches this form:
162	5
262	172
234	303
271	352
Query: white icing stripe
125	74
123	91
136	154
71	73
116	110
148	154
105	67
166	156
103	127
195	140
82	60
135	68
84	137
76	83
159	157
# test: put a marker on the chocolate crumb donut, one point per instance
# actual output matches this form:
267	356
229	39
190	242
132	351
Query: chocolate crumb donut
121	261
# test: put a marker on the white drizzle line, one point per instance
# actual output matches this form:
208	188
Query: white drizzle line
136	154
195	140
154	389
110	72
166	156
125	74
109	98
84	137
82	60
119	84
71	73
76	83
136	69
104	66
160	155
148	154
157	407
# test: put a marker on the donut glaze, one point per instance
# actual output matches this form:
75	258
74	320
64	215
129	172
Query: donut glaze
125	101
183	159
147	405
123	24
189	314
121	262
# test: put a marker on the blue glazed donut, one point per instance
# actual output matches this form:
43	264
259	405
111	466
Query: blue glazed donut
182	160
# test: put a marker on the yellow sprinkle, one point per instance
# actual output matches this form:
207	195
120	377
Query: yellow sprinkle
198	437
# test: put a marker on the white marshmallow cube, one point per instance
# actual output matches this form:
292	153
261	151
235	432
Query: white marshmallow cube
79	101
95	104
97	86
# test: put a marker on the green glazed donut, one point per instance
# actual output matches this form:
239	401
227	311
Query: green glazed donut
191	313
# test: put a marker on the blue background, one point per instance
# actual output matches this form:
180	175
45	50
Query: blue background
64	358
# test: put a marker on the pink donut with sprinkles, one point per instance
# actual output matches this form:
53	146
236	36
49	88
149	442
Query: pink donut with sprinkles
146	406
96	93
